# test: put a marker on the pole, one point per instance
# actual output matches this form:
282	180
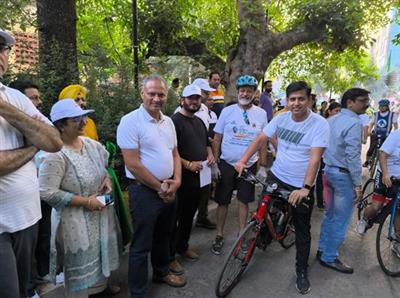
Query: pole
135	44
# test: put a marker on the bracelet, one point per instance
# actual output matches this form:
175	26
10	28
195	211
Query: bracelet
88	204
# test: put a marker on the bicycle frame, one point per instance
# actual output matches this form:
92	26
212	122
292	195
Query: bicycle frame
393	215
262	214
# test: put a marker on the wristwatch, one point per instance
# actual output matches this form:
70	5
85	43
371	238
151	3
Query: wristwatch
306	186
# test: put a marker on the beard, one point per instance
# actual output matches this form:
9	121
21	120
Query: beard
245	101
192	108
268	90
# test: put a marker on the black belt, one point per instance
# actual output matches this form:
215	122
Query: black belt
342	170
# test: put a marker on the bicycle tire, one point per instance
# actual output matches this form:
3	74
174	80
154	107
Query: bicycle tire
388	261
238	252
367	192
290	237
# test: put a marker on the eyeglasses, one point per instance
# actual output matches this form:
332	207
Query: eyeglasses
246	118
78	119
4	48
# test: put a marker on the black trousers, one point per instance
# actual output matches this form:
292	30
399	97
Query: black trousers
188	198
319	187
16	252
152	221
203	204
301	220
374	142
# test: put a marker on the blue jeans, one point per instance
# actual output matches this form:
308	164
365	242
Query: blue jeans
152	226
339	195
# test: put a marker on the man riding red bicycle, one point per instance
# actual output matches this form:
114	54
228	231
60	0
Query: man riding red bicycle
302	137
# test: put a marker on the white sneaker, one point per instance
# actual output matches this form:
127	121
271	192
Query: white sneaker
361	226
60	278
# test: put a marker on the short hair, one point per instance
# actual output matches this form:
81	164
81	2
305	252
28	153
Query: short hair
176	80
352	94
333	105
213	73
154	77
298	86
267	81
22	85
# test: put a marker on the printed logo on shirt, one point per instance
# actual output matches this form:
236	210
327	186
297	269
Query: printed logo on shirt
290	136
381	123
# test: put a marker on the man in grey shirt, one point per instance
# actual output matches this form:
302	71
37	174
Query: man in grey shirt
343	176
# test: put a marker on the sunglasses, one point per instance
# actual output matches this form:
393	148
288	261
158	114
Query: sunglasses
4	48
78	119
246	118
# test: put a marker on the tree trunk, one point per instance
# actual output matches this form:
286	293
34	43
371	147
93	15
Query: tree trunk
58	63
258	46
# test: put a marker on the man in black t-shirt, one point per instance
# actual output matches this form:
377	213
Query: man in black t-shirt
194	148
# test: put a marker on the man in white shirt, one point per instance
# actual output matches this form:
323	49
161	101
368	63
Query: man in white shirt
301	137
238	125
23	132
148	142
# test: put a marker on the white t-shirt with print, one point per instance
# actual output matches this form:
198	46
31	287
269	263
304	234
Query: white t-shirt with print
295	139
237	134
19	190
391	146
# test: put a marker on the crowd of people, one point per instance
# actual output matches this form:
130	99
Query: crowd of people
57	215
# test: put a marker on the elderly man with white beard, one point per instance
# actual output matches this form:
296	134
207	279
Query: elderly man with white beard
237	126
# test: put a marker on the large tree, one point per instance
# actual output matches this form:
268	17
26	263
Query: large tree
58	64
336	24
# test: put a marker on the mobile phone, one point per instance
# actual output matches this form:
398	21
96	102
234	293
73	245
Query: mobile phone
106	199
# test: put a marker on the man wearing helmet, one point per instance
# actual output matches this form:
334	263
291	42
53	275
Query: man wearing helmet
380	126
237	126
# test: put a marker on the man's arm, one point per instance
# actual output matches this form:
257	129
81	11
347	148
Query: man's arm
132	162
365	134
383	157
175	183
395	126
262	153
216	145
253	148
11	160
39	134
312	169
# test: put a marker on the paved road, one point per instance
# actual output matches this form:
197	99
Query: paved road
271	273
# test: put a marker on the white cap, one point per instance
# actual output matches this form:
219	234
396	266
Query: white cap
203	84
191	90
67	108
10	40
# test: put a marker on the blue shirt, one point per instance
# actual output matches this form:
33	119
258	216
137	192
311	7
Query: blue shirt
344	149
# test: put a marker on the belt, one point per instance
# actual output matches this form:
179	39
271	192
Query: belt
342	170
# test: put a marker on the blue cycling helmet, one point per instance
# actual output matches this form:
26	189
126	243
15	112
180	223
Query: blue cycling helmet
384	102
246	80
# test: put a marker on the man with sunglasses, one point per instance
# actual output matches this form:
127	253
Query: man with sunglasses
237	126
23	132
301	137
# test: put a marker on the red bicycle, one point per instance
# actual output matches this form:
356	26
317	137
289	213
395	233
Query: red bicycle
273	220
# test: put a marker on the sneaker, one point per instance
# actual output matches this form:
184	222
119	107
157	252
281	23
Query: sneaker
396	248
206	223
302	282
361	226
217	245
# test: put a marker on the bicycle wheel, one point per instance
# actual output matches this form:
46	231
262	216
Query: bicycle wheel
237	260
388	260
367	192
290	237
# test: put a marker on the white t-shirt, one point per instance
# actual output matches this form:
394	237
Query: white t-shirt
154	139
237	134
19	190
391	146
364	119
295	139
